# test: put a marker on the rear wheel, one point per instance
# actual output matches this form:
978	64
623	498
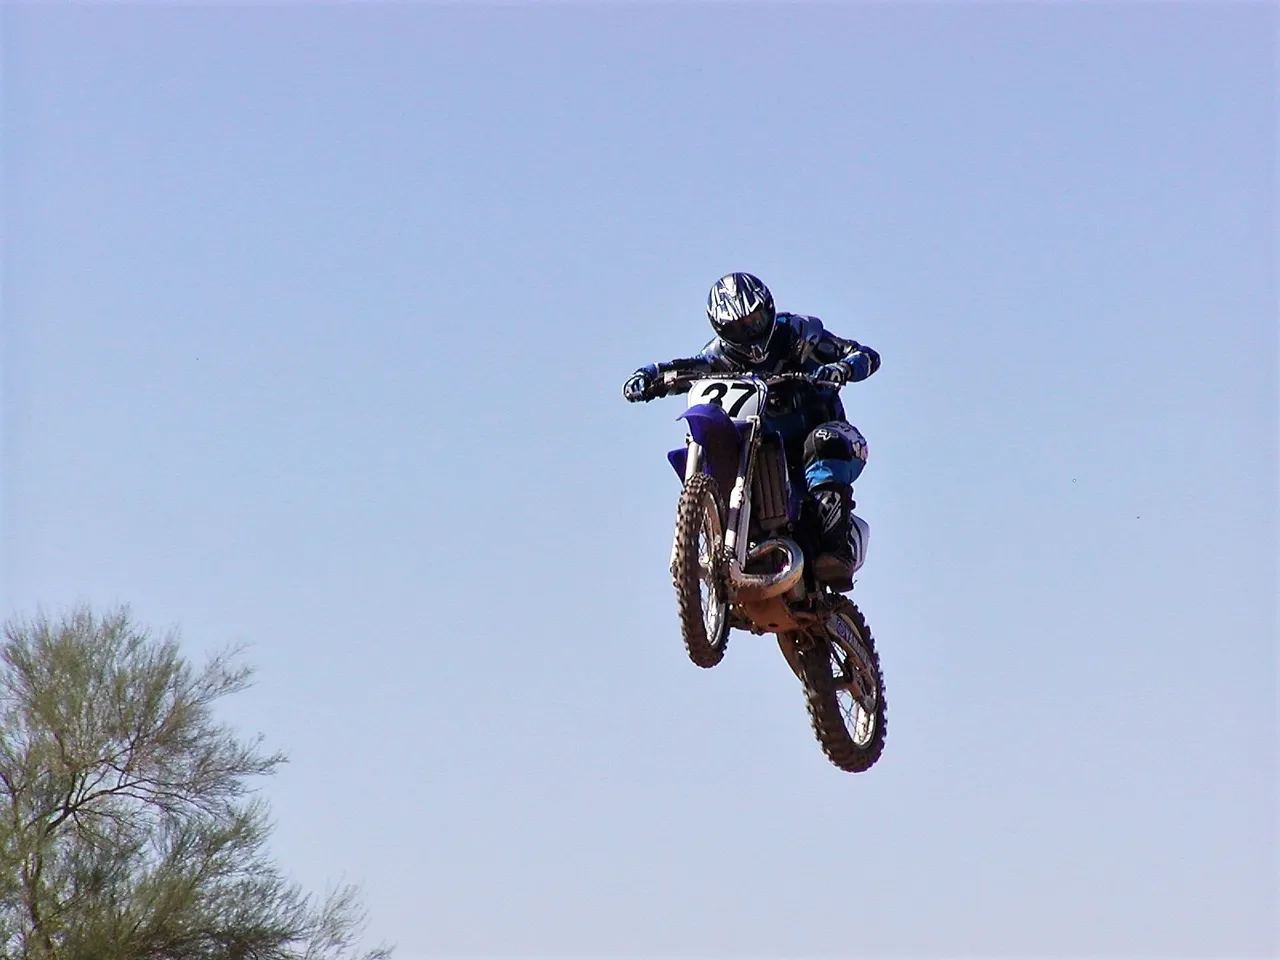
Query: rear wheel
844	688
698	573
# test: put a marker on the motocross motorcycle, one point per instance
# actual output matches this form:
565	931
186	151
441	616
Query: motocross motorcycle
748	563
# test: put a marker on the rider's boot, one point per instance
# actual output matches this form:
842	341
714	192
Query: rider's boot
834	564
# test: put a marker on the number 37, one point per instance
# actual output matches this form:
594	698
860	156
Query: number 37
716	393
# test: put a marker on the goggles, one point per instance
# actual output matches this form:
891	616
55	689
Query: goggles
748	330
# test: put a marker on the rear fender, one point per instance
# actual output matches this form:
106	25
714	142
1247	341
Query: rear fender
859	535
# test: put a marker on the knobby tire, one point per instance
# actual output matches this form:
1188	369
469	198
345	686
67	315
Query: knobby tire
700	495
822	693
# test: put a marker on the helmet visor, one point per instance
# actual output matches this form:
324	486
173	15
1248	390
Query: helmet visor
751	329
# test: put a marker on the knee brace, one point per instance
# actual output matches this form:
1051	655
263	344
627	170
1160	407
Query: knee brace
834	454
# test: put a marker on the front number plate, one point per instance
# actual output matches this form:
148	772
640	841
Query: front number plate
740	398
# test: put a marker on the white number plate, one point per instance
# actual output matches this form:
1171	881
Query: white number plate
740	398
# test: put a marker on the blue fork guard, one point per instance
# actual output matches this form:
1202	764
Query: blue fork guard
720	438
710	425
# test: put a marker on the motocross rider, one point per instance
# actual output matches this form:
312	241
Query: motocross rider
752	337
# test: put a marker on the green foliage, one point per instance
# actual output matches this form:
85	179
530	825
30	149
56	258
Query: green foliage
128	828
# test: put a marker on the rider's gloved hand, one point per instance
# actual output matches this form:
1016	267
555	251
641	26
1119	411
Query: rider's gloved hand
643	385
873	359
834	374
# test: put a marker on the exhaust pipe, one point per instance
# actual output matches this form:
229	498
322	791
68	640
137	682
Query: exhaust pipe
754	587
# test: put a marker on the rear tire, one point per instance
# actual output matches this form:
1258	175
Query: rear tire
845	691
698	573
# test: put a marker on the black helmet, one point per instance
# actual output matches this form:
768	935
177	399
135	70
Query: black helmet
741	311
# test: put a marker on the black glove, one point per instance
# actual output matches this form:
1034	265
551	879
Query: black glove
832	374
643	385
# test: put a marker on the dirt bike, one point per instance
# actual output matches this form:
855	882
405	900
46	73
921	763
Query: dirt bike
743	564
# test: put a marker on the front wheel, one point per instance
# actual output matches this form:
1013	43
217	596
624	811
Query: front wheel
844	687
697	572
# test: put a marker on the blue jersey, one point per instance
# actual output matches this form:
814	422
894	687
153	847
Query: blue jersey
800	344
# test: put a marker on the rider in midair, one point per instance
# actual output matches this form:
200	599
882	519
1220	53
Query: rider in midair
752	337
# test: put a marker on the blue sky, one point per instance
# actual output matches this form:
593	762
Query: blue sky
315	320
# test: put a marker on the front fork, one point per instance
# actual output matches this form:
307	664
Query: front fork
738	521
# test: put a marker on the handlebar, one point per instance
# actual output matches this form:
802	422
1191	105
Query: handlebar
673	379
804	377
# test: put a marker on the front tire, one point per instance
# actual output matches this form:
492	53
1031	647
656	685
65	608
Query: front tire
844	689
698	573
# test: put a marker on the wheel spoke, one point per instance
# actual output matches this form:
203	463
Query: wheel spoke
857	714
708	585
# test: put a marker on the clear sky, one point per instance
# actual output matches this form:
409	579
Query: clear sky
315	322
